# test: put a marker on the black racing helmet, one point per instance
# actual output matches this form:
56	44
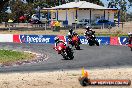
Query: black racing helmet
74	33
71	30
56	39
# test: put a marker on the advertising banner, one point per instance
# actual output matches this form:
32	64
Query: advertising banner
123	40
118	40
6	37
16	39
101	40
114	41
50	39
37	38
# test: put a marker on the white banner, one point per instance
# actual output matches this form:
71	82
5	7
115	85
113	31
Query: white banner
6	37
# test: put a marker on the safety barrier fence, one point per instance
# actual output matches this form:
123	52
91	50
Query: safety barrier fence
49	39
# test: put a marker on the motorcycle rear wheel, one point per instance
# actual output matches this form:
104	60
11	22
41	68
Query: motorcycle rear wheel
71	58
97	43
70	53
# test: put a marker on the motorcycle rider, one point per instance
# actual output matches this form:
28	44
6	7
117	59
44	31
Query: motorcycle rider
88	31
130	38
72	33
57	41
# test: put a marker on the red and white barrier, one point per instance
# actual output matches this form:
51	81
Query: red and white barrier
6	37
114	41
22	39
16	39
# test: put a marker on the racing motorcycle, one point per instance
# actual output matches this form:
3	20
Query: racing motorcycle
75	42
65	51
91	40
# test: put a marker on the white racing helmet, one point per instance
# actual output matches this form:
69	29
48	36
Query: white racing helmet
129	33
88	27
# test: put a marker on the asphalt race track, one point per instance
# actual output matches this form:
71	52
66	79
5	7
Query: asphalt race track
88	57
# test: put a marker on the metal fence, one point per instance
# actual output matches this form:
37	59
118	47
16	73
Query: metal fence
23	25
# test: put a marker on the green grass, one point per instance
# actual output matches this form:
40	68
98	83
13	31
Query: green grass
9	56
99	32
106	34
114	35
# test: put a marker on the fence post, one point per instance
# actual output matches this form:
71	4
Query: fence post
122	25
45	27
75	26
9	26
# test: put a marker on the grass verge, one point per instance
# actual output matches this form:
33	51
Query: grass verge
9	56
113	35
98	32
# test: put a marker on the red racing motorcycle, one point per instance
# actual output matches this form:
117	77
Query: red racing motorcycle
75	42
65	51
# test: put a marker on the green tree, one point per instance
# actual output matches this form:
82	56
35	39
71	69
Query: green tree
98	2
2	3
41	4
30	1
19	8
58	2
120	4
3	13
130	1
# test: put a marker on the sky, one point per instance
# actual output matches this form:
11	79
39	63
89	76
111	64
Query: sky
106	4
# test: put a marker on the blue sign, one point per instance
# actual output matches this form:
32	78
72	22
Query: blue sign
123	40
37	39
83	40
101	40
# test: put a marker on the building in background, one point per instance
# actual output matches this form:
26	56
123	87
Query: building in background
79	10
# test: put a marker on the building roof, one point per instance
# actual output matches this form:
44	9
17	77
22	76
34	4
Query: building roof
80	5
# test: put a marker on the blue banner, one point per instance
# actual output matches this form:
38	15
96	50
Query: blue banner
123	40
37	39
50	39
101	40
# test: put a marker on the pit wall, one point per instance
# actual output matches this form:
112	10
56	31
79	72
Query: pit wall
49	39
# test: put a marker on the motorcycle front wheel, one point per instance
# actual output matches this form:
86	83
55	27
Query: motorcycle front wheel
64	54
77	47
91	43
